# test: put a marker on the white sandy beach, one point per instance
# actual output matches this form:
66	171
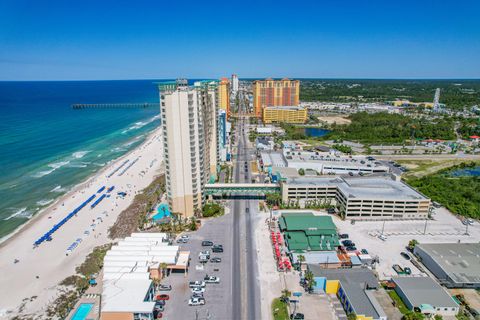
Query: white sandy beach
49	260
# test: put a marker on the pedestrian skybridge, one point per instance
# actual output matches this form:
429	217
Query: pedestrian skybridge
240	189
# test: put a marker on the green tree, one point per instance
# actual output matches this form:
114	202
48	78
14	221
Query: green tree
301	171
273	199
212	210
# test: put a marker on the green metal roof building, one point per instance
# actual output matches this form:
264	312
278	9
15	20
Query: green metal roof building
307	232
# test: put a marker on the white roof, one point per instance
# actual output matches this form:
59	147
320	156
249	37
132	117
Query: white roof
126	276
126	295
149	235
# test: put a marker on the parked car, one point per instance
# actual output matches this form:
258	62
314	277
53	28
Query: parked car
185	237
207	243
331	210
216	260
164	287
197	295
160	302
180	240
217	248
405	255
157	314
398	269
211	279
162	297
159	307
205	253
297	316
343	236
196	301
351	248
364	251
198	289
348	243
382	237
196	284
407	270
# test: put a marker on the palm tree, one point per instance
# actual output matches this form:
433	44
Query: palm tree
163	268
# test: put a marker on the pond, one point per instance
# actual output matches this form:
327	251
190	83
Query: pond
466	172
315	132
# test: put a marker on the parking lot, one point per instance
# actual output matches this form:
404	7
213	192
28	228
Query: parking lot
442	229
217	296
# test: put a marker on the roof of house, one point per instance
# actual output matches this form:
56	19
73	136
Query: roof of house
461	261
318	257
424	290
126	295
354	283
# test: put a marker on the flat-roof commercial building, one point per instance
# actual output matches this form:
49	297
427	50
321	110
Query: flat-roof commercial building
128	269
269	92
304	231
425	294
284	114
354	288
369	197
456	265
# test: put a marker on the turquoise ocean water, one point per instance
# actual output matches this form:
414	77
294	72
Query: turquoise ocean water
46	147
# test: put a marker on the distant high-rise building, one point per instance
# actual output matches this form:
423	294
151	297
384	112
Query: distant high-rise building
269	93
436	101
224	95
189	123
235	83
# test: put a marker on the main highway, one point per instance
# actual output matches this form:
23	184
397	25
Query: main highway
245	289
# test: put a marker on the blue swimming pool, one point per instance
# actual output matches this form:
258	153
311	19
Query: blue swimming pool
82	311
162	211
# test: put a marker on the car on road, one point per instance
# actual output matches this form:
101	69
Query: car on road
194	301
211	279
405	255
216	260
164	287
297	316
207	243
364	251
198	289
196	284
217	248
382	237
162	297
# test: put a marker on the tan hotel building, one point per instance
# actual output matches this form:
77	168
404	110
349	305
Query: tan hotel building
270	93
189	126
224	95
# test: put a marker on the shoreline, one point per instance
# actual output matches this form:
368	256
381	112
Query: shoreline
28	224
38	270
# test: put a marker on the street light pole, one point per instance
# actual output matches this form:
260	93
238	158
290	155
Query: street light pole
383	227
425	228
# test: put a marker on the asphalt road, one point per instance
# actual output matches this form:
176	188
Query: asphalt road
244	268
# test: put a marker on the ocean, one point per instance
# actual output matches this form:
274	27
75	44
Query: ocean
47	147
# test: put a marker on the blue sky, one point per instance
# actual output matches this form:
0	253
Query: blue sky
56	40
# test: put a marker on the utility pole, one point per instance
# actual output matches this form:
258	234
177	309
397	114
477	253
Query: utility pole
425	228
383	227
